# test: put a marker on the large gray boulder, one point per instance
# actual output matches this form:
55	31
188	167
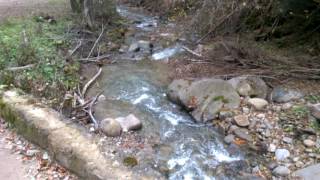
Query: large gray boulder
282	94
309	173
204	98
251	86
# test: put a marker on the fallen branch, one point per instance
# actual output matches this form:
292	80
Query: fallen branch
21	68
94	120
76	48
191	52
95	59
89	83
96	42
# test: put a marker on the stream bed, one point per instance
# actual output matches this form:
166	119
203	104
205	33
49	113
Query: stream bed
184	149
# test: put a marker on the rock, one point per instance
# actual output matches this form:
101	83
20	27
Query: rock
111	127
242	120
243	134
245	110
282	154
309	173
315	110
224	114
258	87
272	165
281	171
129	123
283	95
258	103
32	152
287	140
134	47
229	139
309	143
205	97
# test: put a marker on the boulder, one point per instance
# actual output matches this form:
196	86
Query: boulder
251	86
204	98
129	123
258	103
309	173
111	127
283	95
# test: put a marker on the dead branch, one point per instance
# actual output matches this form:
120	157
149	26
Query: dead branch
76	48
96	42
21	68
89	83
95	59
191	52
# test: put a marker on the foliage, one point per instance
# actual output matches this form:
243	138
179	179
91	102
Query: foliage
31	41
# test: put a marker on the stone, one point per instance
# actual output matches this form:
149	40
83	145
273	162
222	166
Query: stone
223	115
258	103
281	171
258	88
315	110
282	154
309	143
204	98
287	140
32	152
134	47
242	120
111	127
309	173
245	110
129	123
283	95
229	139
243	134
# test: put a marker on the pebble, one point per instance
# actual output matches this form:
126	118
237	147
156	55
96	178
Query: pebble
258	103
286	106
287	140
281	171
243	134
309	143
299	164
229	139
261	116
242	120
272	148
245	110
282	154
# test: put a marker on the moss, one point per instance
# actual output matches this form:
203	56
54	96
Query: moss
130	161
221	98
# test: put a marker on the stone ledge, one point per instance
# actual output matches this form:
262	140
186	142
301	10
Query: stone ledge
65	143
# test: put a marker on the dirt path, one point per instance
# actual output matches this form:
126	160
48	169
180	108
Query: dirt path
23	8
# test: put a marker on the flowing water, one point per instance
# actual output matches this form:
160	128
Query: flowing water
188	150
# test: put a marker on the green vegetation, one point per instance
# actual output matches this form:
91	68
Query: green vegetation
43	44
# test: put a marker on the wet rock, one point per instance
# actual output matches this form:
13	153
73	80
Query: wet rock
134	47
309	143
229	139
309	173
282	95
258	87
111	127
281	171
258	103
315	110
204	98
223	115
243	134
282	154
242	120
129	123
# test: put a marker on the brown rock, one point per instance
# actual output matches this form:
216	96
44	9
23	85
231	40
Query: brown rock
111	127
242	120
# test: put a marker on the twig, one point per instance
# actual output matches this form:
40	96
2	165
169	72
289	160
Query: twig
76	48
95	59
96	42
216	26
191	52
85	88
29	66
94	120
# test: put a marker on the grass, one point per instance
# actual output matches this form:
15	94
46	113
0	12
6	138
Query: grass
34	41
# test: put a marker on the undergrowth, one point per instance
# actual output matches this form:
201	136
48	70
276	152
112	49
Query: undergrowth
40	43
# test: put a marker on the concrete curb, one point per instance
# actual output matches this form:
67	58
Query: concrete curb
65	143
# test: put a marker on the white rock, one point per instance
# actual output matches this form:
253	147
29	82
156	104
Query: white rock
272	148
258	103
131	122
282	154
